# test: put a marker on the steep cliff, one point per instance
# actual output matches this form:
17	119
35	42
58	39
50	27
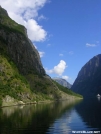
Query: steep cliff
22	76
88	81
16	45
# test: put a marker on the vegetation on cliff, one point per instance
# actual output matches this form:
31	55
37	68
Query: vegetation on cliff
68	91
11	82
7	23
22	75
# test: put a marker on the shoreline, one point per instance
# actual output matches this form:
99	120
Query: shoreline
19	103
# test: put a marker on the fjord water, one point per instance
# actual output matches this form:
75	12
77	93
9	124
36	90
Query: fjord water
53	118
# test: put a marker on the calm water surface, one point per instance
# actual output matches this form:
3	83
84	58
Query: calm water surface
53	118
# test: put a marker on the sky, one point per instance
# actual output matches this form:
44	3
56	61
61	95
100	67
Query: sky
66	33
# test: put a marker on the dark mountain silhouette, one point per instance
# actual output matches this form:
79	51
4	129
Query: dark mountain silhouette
88	81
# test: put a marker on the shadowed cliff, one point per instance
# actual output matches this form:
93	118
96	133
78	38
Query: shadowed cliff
88	81
22	76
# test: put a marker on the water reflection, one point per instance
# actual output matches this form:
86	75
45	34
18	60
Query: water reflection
90	111
35	119
99	98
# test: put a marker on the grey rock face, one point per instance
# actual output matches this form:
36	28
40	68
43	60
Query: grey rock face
18	47
9	101
62	82
90	67
88	81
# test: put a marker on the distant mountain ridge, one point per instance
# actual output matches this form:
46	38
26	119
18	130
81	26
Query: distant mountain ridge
88	81
62	82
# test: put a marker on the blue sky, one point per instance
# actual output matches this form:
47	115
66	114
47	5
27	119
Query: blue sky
66	33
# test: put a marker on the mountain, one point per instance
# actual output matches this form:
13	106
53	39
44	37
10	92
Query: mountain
62	82
67	90
18	47
22	76
88	81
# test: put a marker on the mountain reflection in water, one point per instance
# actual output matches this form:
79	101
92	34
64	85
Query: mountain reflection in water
90	112
54	118
32	118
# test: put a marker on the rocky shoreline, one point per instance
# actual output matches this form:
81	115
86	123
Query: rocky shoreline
10	101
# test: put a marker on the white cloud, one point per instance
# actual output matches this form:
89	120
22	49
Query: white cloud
58	69
48	45
97	42
41	53
25	12
90	45
65	77
42	17
35	32
35	46
71	52
60	54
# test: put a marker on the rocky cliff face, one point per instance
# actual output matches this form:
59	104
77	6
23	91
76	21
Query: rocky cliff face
22	76
62	82
16	45
88	81
3	12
